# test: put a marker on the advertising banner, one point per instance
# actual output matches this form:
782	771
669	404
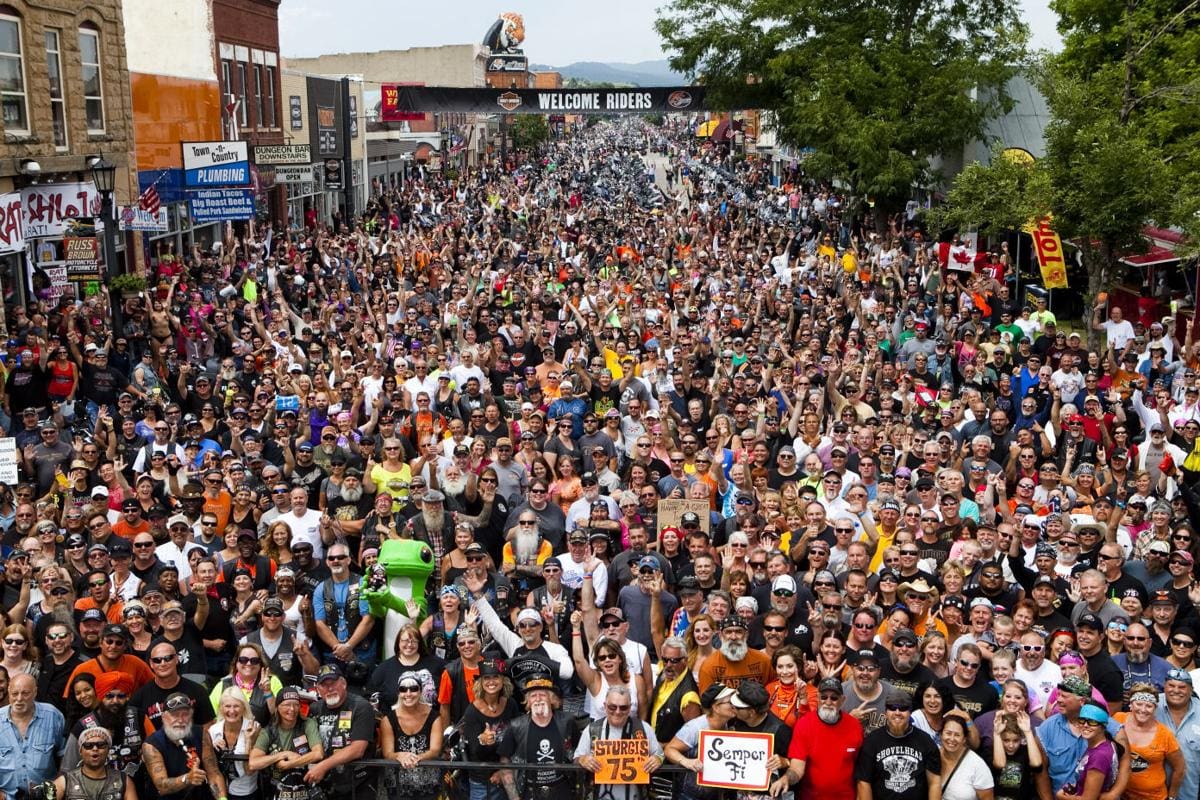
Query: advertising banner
12	237
389	104
221	205
507	63
658	99
82	257
296	173
132	218
1047	246
276	154
49	209
215	164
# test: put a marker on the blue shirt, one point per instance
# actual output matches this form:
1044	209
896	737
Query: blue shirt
341	592
1188	736
1063	748
34	757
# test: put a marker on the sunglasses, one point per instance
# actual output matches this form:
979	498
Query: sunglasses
95	745
895	707
161	659
253	661
409	689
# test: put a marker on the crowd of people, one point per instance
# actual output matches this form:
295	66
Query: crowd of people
690	448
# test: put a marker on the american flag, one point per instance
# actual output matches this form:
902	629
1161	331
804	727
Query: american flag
149	201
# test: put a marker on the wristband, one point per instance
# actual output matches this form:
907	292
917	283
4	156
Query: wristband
587	576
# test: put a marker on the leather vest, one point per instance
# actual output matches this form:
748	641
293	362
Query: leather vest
670	715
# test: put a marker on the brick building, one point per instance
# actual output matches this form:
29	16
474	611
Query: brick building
65	99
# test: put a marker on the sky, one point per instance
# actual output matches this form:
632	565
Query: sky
557	32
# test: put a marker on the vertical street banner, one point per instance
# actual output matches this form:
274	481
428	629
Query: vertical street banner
1047	246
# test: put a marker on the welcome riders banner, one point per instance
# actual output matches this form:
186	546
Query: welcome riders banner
399	102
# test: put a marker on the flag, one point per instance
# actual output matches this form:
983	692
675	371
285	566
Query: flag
149	201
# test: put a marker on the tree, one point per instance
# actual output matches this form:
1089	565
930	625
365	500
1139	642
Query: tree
1000	196
528	131
876	89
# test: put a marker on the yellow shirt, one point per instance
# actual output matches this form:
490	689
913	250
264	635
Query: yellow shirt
668	688
393	483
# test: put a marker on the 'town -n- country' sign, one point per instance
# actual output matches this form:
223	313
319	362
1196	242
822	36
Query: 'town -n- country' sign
399	99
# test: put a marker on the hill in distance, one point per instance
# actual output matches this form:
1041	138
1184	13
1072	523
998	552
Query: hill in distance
642	73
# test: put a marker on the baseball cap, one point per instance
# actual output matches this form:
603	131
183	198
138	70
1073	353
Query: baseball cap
784	583
329	672
750	694
1090	621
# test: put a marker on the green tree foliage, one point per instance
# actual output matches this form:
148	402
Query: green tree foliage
876	88
528	131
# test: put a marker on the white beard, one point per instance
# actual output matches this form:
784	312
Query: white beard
434	520
352	495
734	651
456	487
176	734
525	546
829	716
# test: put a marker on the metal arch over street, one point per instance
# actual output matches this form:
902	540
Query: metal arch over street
398	100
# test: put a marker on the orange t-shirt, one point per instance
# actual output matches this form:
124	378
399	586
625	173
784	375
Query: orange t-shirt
756	665
114	613
1148	779
123	529
222	506
132	666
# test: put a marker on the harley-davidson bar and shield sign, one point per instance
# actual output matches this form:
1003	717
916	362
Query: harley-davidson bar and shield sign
399	101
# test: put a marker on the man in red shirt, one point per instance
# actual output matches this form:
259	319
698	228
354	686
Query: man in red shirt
824	748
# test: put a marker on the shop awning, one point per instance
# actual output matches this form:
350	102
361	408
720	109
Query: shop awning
1161	242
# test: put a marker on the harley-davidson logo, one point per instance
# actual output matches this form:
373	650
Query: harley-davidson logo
509	101
679	99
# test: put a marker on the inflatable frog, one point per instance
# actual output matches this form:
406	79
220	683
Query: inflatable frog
407	565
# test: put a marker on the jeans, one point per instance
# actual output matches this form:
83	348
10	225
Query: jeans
485	791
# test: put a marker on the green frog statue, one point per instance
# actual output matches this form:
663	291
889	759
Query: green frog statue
395	586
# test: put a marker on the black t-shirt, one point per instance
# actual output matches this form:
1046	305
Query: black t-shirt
896	766
543	745
101	384
151	697
1106	677
190	649
907	682
1015	779
974	700
386	678
353	721
472	725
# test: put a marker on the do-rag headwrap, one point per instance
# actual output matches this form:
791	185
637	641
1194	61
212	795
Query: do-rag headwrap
107	681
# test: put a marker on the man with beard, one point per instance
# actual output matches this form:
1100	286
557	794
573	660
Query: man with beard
151	698
309	571
1137	664
904	670
307	472
971	692
751	706
91	628
898	761
288	657
543	735
1102	672
344	624
433	525
347	725
58	664
524	556
349	509
115	715
95	747
61	609
528	652
734	661
824	747
14	592
181	762
551	519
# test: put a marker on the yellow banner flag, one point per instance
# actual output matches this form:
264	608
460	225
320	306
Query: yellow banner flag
1049	251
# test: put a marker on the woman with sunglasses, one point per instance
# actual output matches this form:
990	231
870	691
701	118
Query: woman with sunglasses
1182	645
248	673
20	656
611	670
410	732
440	629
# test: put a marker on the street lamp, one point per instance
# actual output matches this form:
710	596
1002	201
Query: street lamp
104	174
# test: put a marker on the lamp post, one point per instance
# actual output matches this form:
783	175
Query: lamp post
104	173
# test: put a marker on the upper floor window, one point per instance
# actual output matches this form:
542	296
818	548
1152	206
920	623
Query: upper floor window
13	99
93	92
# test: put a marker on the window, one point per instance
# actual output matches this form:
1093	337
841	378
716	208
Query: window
93	92
227	92
243	112
58	105
258	96
13	101
272	118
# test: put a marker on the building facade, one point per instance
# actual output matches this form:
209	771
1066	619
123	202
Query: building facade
64	101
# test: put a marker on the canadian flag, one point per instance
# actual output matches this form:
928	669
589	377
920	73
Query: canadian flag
962	258
924	396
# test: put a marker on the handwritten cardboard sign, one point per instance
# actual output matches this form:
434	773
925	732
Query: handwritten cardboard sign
735	760
671	509
622	761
